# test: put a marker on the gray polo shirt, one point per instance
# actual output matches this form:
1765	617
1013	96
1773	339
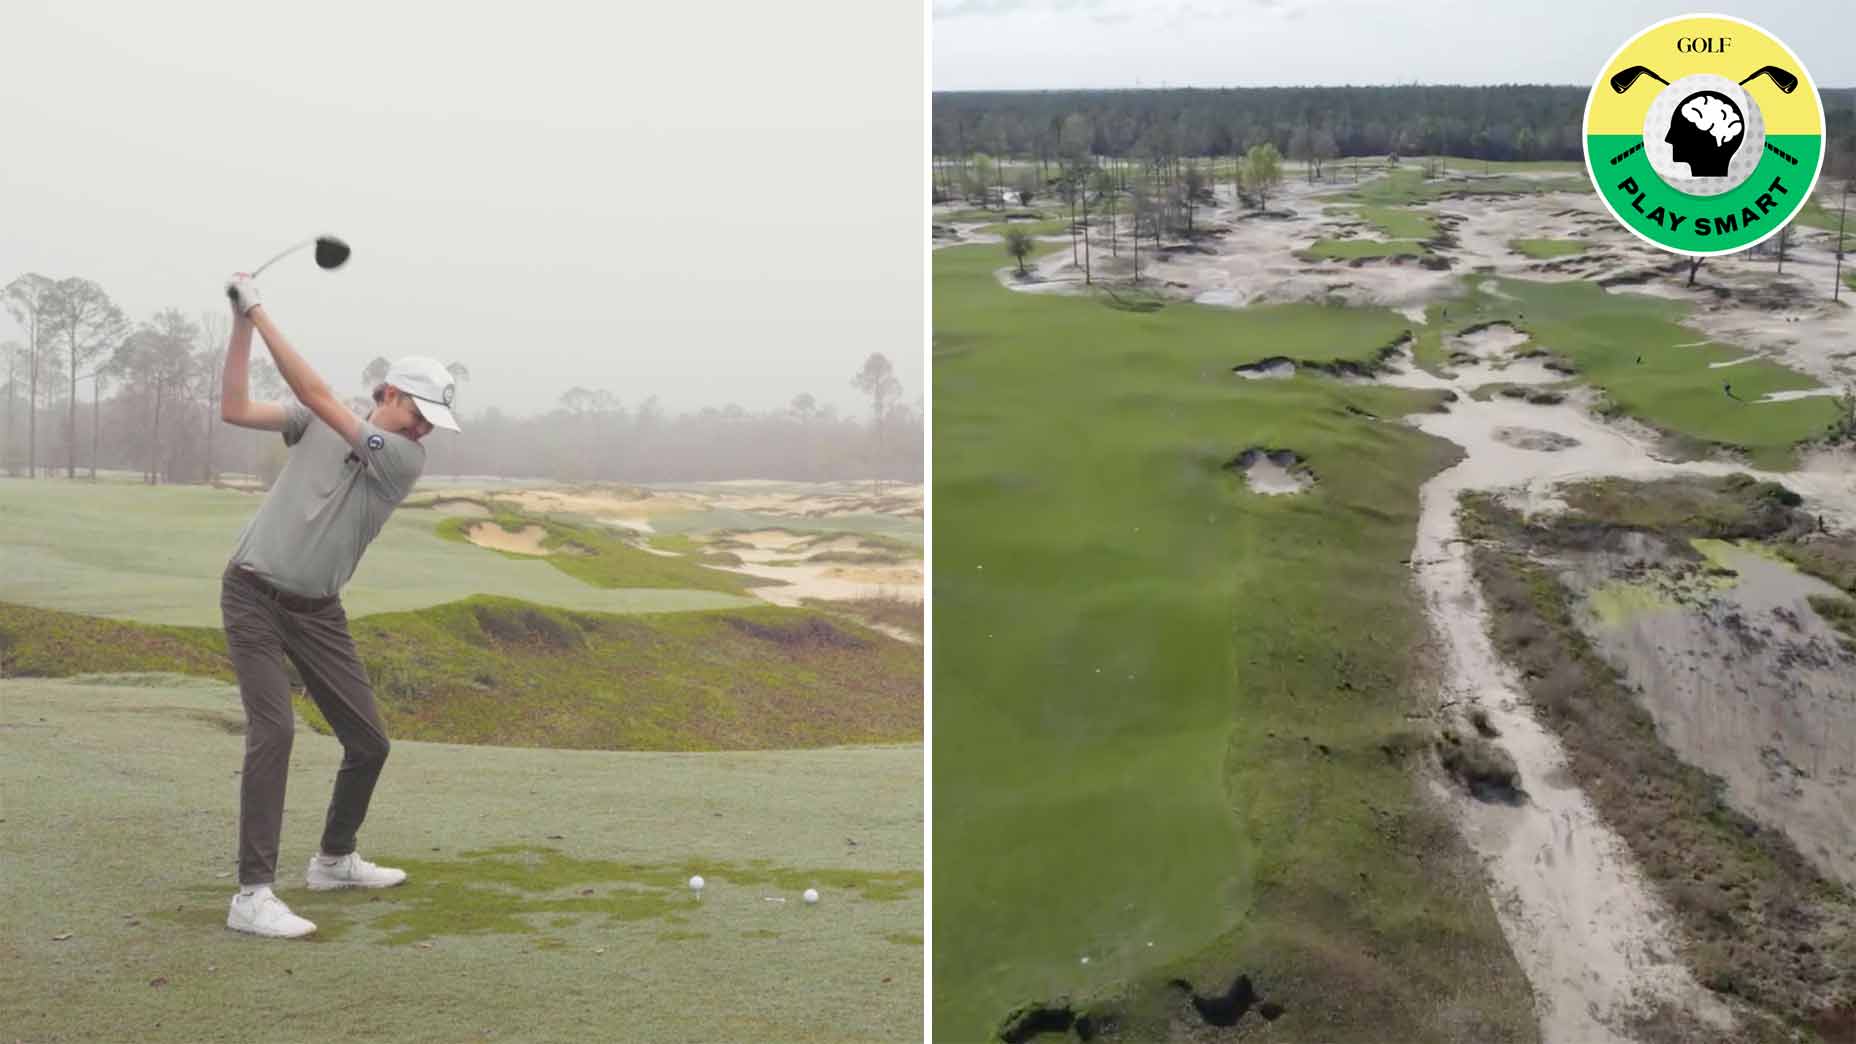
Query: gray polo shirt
328	504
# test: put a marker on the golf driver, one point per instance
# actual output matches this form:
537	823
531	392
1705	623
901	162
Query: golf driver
331	253
1784	81
1622	81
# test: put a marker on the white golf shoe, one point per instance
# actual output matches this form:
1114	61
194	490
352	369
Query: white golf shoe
262	913
350	871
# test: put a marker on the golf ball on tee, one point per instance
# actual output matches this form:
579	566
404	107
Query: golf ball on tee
696	883
811	895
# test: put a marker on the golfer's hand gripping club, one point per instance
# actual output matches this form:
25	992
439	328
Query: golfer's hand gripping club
243	293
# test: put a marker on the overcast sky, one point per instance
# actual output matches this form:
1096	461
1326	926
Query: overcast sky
711	202
1048	44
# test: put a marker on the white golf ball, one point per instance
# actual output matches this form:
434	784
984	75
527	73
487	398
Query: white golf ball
811	895
696	883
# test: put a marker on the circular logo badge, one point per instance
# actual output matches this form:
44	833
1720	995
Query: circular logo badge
1704	134
451	391
375	442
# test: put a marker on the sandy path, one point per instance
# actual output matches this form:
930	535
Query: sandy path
1590	935
1576	912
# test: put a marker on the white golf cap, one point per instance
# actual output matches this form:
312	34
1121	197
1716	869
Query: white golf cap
428	381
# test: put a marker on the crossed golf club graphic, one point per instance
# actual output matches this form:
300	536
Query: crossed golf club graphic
1785	81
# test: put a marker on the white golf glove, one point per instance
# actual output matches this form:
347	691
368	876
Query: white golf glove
243	292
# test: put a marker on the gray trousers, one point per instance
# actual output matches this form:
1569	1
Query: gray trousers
264	625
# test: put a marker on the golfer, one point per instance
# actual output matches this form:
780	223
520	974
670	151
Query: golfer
281	597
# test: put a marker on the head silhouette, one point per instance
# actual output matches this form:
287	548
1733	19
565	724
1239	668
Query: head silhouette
1705	131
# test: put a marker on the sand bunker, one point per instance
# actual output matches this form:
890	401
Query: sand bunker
1788	396
603	504
1535	439
1488	342
1273	472
495	537
768	539
634	508
1275	367
776	554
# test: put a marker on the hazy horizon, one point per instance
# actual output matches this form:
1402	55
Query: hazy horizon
625	200
1048	45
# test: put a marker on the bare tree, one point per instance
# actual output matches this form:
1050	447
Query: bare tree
1694	265
1836	282
15	354
156	358
28	299
209	373
878	380
1194	189
97	377
1105	187
84	322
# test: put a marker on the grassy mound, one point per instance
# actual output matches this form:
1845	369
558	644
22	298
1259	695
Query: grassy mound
500	671
602	558
1165	706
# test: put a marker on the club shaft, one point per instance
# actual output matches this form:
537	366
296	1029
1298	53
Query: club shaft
307	242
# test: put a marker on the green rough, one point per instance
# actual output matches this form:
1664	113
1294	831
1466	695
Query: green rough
136	787
1547	249
1353	249
61	547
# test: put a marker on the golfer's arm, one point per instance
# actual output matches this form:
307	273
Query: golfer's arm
235	405
311	390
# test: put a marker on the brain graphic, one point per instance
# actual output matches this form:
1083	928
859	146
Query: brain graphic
1714	116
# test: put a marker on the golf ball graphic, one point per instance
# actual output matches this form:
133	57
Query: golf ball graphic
696	883
811	895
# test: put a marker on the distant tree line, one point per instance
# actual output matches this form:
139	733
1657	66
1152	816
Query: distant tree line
1309	124
87	388
592	436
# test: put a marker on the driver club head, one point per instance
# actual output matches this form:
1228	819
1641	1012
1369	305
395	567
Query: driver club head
1783	80
331	253
1623	80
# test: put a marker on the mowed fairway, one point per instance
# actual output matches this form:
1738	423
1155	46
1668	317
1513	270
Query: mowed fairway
1170	712
155	555
546	901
